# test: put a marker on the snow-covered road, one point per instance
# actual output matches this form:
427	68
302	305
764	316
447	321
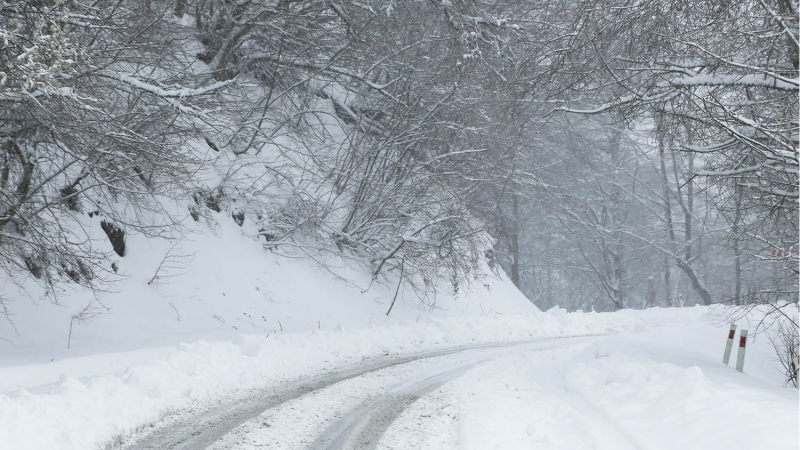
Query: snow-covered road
346	409
477	397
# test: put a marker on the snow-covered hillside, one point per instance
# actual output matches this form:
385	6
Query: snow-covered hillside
215	283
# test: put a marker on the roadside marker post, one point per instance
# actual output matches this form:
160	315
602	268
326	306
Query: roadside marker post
740	356
797	370
729	345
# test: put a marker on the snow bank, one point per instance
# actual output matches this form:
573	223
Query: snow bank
663	406
78	414
665	387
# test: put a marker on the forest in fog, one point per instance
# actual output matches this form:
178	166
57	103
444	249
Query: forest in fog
605	154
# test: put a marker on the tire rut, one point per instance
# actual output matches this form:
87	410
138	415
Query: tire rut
199	431
363	427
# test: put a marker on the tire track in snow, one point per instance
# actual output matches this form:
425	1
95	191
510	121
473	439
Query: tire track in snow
362	428
201	430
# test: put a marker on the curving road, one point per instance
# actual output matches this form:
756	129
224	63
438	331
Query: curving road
343	410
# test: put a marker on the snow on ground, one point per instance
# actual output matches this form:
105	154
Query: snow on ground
430	423
519	403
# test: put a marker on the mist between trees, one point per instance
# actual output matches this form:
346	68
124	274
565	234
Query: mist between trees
623	153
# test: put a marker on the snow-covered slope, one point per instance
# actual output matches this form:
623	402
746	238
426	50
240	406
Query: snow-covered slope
218	282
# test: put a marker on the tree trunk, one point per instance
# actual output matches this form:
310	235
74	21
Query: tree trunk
514	240
180	8
688	214
785	8
619	275
698	286
668	216
737	250
651	291
668	282
689	209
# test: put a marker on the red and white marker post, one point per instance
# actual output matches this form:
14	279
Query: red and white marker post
729	345
740	357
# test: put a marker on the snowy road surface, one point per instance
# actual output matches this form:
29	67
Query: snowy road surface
348	409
